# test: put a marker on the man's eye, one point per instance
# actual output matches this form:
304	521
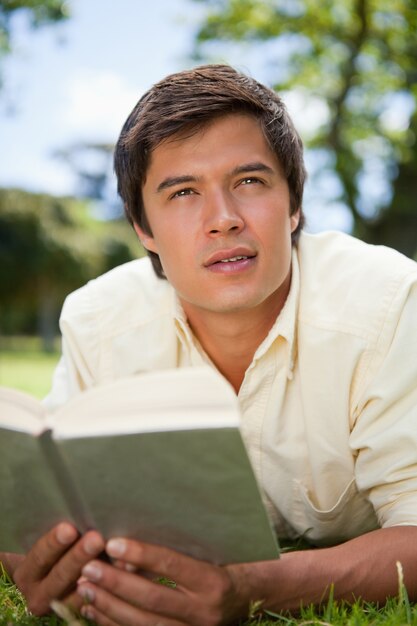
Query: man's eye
250	180
182	192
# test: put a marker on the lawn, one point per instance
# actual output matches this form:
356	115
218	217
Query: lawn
397	612
24	366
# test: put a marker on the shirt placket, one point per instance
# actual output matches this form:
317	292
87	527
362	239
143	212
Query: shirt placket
253	399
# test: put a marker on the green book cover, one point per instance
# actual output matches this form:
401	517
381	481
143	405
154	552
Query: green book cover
158	457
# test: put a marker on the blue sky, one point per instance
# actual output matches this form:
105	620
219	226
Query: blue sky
79	80
76	83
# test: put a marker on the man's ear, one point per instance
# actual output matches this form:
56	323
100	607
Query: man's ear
146	240
295	220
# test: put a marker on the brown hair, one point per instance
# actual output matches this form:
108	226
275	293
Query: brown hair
188	101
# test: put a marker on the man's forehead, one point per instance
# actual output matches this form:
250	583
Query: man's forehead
192	139
188	131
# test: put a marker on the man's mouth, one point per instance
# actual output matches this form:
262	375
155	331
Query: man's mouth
232	255
233	258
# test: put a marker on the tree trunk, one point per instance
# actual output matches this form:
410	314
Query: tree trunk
397	225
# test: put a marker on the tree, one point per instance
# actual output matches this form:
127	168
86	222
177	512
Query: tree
92	164
41	12
48	247
358	59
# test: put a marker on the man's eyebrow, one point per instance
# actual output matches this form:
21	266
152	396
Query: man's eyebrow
171	181
256	166
245	168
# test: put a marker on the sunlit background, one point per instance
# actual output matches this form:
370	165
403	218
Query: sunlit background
75	81
71	72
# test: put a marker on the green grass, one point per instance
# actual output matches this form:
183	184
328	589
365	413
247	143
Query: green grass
397	612
13	609
24	366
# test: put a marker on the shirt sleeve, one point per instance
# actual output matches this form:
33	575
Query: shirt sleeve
80	360
384	436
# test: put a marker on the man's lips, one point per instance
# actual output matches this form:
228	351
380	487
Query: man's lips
232	255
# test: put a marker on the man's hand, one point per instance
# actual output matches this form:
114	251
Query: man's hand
207	595
204	595
52	567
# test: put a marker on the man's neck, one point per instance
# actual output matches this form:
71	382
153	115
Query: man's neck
231	339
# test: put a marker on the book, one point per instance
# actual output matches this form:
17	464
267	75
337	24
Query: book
157	457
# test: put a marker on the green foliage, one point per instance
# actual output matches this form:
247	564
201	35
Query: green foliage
355	57
48	247
40	12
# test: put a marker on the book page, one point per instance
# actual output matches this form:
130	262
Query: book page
180	399
21	412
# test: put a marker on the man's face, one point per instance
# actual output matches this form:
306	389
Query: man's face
218	207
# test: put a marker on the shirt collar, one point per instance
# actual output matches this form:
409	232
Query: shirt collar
285	324
181	323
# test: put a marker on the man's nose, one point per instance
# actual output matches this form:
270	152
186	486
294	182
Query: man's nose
222	215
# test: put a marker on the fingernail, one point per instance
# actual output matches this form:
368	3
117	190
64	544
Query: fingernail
92	571
130	568
87	612
86	593
93	544
116	547
66	534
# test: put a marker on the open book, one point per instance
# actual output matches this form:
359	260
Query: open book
157	457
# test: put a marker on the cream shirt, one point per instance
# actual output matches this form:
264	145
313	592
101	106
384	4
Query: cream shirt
329	402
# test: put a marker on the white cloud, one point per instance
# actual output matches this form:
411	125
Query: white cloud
308	112
98	104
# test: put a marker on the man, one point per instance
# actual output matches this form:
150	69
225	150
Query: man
316	334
